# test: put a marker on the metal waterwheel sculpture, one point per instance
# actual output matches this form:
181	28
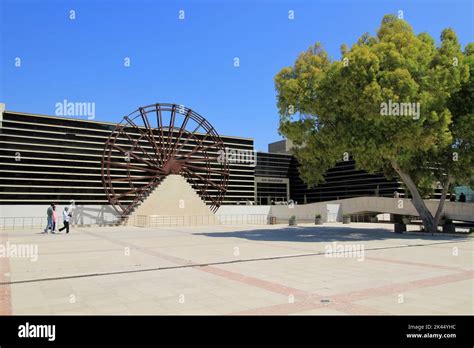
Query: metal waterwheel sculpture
155	141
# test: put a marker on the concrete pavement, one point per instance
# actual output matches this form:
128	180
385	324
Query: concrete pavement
330	269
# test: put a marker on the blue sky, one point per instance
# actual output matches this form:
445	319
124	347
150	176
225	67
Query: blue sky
188	61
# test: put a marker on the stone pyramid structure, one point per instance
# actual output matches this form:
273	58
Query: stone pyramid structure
173	197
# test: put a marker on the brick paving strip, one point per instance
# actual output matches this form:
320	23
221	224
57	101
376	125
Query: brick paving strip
303	300
5	288
343	301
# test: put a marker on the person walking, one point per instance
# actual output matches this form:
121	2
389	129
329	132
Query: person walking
462	197
49	215
66	217
55	220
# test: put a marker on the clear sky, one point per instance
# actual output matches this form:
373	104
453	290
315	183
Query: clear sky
190	61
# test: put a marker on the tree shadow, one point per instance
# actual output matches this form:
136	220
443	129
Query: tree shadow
321	234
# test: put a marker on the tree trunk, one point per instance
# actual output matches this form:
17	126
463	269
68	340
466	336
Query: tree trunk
418	202
444	193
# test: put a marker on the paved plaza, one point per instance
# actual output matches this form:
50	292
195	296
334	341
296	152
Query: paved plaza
333	269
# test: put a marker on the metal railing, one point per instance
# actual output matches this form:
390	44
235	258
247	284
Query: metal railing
24	222
199	220
18	223
14	223
299	218
39	222
363	217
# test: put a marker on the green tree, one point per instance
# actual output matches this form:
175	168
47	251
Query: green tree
333	108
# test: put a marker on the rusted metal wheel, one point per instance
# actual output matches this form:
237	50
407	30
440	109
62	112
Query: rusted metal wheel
155	141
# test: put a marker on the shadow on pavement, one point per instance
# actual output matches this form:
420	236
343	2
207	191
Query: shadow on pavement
320	234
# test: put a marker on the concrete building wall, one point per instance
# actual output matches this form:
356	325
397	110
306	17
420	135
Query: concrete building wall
244	209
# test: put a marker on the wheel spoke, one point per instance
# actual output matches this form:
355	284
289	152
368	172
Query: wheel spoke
198	148
184	144
159	118
191	134
185	165
212	183
138	158
180	133
201	159
135	144
147	136
139	190
170	133
150	131
134	178
131	166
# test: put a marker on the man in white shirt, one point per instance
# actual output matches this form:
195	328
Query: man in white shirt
66	217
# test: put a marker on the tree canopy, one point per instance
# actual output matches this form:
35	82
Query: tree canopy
396	102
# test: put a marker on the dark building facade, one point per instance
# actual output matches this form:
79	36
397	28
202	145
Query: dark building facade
46	159
272	178
277	174
342	181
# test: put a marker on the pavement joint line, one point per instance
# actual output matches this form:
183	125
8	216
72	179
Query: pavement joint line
197	265
419	264
304	300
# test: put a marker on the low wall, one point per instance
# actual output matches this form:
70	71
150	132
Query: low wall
379	205
28	216
281	212
243	209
